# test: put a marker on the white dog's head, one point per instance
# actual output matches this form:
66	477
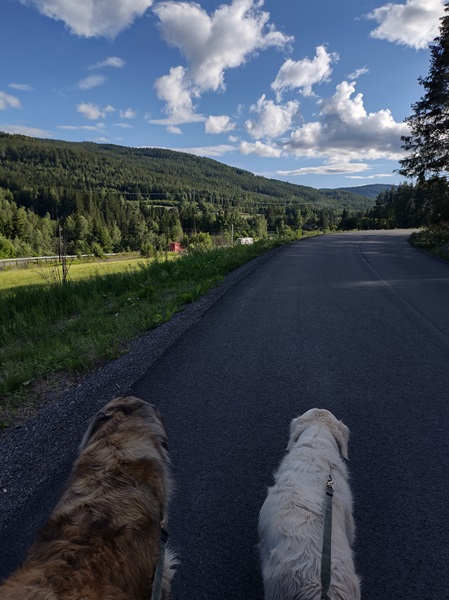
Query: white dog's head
326	418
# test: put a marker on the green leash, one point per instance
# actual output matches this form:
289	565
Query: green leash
327	535
157	582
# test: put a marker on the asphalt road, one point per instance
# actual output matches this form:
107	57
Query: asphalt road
356	323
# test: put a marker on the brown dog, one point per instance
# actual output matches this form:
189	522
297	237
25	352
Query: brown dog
102	541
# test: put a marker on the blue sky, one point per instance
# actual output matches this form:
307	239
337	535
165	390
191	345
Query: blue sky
314	93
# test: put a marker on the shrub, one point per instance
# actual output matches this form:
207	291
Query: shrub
432	237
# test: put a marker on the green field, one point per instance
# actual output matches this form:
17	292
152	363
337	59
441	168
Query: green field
45	273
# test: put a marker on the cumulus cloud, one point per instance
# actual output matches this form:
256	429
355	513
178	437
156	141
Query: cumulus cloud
211	44
303	74
273	119
92	81
347	131
111	61
8	101
224	40
174	130
92	111
219	124
415	23
93	18
129	113
175	90
261	149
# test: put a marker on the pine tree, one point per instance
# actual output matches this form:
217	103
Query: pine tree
428	143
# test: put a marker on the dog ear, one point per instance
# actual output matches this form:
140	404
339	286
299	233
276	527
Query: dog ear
297	426
95	423
341	435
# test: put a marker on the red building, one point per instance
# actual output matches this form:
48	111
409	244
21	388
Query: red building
175	247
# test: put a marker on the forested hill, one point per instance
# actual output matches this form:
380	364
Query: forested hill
148	173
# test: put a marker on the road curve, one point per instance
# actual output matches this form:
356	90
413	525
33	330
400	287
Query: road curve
357	323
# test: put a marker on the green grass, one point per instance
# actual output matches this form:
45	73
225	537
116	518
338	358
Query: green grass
53	330
40	274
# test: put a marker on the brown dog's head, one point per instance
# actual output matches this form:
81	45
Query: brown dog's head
127	421
118	415
323	417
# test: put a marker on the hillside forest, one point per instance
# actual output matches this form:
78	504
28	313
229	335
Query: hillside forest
103	198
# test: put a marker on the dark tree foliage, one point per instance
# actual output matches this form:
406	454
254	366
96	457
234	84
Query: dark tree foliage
405	205
428	143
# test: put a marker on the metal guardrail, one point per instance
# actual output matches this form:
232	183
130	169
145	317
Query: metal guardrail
6	262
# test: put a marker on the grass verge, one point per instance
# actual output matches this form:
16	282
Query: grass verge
433	239
49	332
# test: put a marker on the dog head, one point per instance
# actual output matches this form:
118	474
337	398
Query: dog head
125	418
325	418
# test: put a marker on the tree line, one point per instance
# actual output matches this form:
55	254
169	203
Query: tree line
407	205
36	222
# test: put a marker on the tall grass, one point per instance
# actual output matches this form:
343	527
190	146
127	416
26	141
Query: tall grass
70	328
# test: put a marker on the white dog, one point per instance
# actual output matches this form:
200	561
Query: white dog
291	520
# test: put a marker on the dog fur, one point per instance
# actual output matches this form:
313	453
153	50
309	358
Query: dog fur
102	539
292	517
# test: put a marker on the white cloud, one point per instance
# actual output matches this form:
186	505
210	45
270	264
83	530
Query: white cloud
358	73
303	74
219	124
92	111
210	151
129	113
347	131
111	61
8	101
261	149
376	176
224	40
328	169
22	87
273	119
174	130
175	90
25	130
415	23
211	44
97	127
92	81
123	125
93	18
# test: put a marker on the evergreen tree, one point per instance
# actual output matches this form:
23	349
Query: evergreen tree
428	143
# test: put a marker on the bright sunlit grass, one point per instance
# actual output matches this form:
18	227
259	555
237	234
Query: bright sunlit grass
41	274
